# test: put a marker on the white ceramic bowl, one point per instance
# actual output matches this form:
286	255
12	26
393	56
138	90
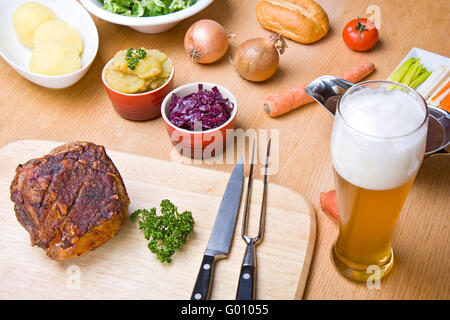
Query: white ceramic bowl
192	87
18	55
155	24
196	143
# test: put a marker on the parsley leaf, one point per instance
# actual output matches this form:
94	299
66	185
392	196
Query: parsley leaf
166	233
133	56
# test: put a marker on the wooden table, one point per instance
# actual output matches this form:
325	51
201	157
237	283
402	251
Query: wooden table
83	112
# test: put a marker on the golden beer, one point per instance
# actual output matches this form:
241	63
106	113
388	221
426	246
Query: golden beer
375	159
366	221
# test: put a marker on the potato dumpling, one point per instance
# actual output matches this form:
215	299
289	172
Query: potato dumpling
59	30
123	82
150	72
54	58
27	18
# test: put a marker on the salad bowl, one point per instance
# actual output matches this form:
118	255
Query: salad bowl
154	24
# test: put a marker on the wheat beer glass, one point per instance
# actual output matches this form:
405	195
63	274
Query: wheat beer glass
377	146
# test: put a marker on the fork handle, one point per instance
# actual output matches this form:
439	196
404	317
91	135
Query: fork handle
247	277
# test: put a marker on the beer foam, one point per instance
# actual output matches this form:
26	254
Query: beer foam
375	144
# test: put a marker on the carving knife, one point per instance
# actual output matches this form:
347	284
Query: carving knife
222	233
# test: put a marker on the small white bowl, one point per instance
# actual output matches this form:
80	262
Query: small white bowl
190	88
18	55
193	143
155	24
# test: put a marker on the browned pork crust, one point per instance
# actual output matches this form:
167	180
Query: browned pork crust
70	201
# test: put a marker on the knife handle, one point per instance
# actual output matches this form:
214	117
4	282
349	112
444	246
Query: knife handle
204	279
247	281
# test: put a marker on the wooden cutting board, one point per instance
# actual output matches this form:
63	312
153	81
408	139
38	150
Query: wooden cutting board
124	268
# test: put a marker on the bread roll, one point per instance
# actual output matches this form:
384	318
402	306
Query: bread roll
303	21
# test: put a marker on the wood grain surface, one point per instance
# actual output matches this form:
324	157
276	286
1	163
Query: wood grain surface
124	268
83	112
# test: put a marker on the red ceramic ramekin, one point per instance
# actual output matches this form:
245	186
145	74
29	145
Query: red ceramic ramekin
138	106
199	144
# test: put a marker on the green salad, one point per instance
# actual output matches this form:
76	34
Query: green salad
145	8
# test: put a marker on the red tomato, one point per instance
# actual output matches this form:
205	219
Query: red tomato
360	35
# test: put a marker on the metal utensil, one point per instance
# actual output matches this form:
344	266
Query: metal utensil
222	233
327	90
247	278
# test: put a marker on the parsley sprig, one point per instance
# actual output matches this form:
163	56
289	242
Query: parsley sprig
133	56
167	232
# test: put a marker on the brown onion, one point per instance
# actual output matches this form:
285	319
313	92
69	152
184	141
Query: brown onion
258	59
206	41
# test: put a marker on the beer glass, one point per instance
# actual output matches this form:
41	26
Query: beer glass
377	146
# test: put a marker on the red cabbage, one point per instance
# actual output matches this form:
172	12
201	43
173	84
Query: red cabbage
205	108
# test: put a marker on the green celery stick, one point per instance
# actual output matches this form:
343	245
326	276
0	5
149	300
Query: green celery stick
421	72
417	73
398	74
424	76
408	78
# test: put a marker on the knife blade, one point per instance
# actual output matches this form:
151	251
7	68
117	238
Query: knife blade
222	233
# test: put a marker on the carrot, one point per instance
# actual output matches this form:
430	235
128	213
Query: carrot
328	203
445	88
359	72
286	100
445	104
